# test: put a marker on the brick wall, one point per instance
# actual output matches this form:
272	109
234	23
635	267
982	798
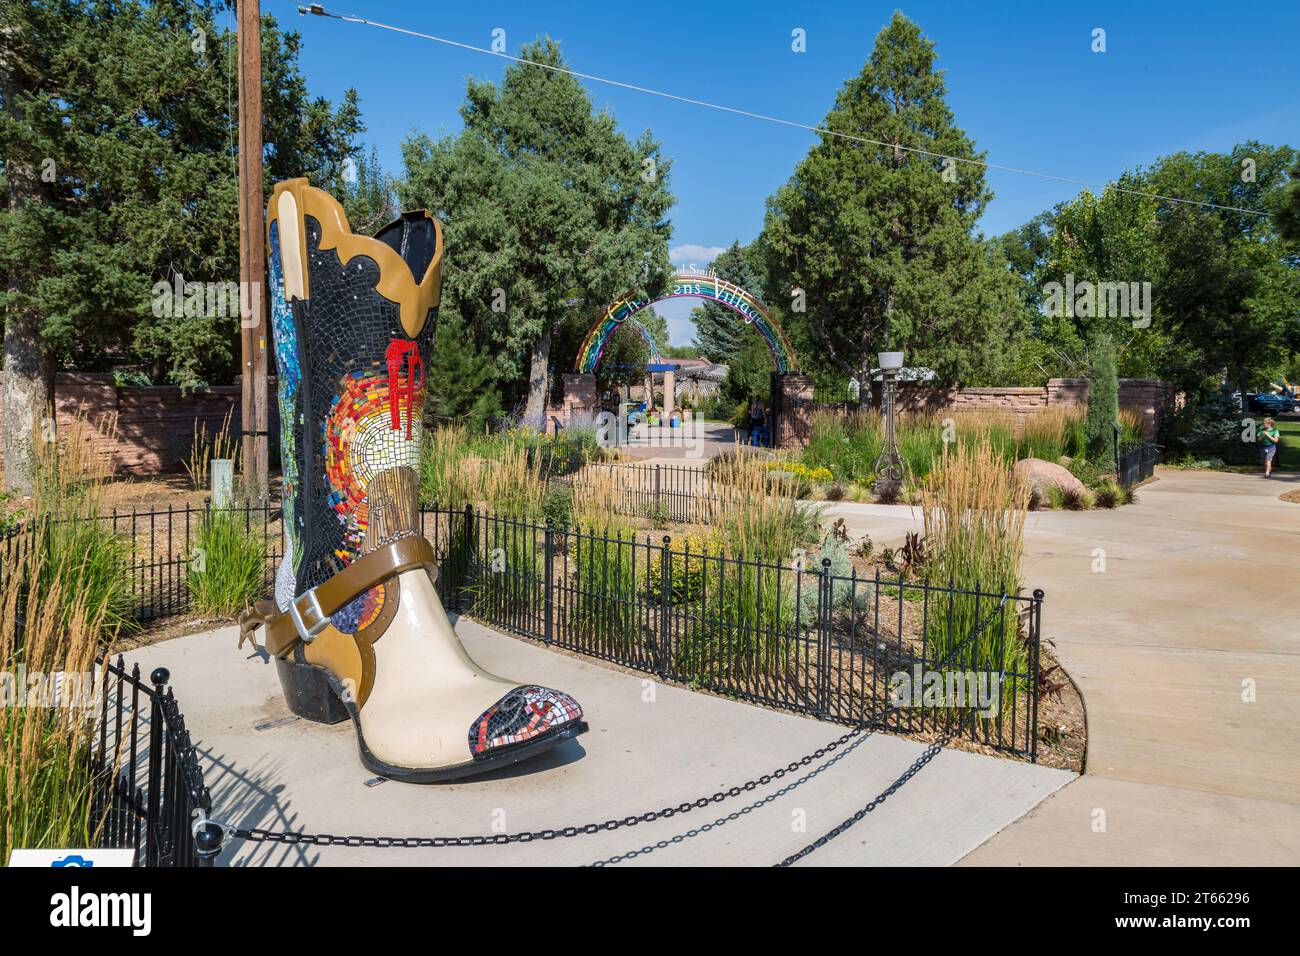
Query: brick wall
1149	398
155	425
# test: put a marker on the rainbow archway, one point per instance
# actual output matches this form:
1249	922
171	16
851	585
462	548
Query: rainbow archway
701	285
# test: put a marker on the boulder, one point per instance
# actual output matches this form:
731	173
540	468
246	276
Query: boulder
1039	475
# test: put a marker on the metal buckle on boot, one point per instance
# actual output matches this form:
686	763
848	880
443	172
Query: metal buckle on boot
322	620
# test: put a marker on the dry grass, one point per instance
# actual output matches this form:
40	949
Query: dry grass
45	780
974	515
203	450
754	513
600	501
63	591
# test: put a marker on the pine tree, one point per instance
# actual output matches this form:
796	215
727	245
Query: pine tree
879	238
720	332
543	201
118	141
462	379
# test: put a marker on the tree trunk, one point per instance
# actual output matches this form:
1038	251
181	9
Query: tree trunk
26	398
1241	383
535	408
864	386
28	375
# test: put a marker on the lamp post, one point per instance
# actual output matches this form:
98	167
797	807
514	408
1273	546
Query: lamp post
890	467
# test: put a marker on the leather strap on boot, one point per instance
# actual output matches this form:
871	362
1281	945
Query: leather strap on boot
310	612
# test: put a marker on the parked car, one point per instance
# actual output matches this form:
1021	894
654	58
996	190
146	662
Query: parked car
1269	404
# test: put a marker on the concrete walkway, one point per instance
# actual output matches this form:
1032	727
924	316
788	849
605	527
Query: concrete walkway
650	746
1198	601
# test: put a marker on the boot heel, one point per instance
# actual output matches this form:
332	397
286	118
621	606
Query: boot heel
308	693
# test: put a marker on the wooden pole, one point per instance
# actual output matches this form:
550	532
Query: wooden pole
252	257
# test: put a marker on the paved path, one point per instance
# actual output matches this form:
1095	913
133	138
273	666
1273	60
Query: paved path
692	444
649	747
1200	594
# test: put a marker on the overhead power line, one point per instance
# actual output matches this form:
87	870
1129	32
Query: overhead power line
317	9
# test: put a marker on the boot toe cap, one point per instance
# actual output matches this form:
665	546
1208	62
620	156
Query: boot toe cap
526	713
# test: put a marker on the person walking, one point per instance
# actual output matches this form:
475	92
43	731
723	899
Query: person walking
1272	438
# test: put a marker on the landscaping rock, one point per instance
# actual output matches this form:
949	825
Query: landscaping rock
1039	475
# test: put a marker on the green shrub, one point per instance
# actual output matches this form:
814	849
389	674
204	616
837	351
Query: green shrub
228	567
1109	494
557	505
1211	429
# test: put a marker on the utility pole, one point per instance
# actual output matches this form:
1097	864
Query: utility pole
252	257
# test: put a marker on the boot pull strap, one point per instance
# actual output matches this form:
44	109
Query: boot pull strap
310	612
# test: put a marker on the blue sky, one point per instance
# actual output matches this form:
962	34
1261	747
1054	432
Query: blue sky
1022	81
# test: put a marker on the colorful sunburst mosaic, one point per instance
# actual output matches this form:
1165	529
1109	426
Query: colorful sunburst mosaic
360	443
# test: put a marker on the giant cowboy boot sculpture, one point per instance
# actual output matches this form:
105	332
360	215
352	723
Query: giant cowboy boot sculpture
356	627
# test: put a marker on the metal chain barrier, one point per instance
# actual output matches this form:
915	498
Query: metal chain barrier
929	754
257	835
734	815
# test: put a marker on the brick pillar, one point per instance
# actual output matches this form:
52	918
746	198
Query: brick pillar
794	418
670	385
580	395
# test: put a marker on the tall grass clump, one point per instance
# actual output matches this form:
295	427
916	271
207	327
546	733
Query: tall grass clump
204	450
758	529
1130	429
228	566
828	444
513	486
1052	434
604	549
46	777
974	516
82	554
449	477
755	514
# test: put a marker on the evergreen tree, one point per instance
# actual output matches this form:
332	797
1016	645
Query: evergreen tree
543	200
720	332
1103	401
462	379
118	141
880	239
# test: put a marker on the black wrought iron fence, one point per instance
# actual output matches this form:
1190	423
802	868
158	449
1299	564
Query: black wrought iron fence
149	793
847	648
907	655
1137	464
159	548
666	492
